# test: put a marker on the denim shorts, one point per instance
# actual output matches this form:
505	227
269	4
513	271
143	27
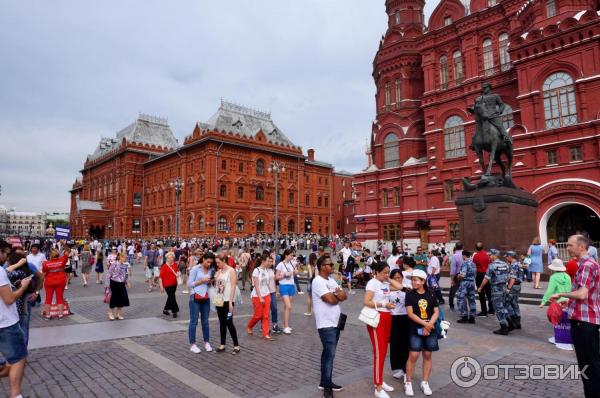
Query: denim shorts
12	343
423	343
287	290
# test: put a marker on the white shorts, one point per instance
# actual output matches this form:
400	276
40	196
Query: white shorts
152	272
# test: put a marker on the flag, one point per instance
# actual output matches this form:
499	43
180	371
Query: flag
62	232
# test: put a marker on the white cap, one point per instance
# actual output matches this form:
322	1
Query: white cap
419	273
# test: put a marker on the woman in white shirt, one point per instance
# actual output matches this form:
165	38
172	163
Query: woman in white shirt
399	332
226	282
285	272
261	297
377	295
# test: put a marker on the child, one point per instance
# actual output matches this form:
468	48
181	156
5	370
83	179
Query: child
423	312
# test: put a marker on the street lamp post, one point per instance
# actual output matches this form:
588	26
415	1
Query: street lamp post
178	186
275	168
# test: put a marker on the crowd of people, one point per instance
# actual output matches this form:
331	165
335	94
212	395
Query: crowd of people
402	295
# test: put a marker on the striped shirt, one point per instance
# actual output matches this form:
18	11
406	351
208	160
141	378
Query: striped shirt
588	275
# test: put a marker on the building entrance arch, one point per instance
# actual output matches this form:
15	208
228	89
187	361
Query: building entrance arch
566	218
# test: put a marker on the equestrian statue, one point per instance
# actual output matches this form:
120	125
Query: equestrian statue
491	136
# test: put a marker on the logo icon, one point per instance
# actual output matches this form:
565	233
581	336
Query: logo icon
465	372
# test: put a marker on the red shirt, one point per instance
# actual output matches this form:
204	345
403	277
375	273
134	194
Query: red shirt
168	275
231	262
572	268
588	275
54	271
481	260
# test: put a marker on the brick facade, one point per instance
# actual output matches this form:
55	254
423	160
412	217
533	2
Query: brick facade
542	58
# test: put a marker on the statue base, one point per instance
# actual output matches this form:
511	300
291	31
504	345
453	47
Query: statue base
501	217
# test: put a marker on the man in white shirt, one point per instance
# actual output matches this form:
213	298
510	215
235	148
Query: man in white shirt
433	264
393	259
346	252
12	338
36	257
326	296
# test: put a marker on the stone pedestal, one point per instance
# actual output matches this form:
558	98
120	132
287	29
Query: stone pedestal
501	217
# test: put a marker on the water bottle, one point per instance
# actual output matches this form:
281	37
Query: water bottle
229	316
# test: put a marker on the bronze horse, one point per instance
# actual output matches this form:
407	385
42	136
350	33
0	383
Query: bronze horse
487	138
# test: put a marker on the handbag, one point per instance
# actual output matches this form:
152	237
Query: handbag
342	321
198	298
370	316
90	259
107	295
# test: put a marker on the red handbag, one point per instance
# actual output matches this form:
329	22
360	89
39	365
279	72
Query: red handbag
555	313
107	295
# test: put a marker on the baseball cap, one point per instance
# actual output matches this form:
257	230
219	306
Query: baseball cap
419	273
511	253
494	252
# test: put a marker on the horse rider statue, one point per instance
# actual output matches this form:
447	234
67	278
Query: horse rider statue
494	107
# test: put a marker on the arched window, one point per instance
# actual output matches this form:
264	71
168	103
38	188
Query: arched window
507	117
458	67
191	224
240	192
391	154
222	224
168	225
504	56
307	200
160	226
153	227
260	224
488	57
223	190
201	223
260	193
559	101
397	16
443	72
550	8
239	224
398	92
454	137
260	167
291	226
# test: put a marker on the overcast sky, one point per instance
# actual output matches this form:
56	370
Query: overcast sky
74	71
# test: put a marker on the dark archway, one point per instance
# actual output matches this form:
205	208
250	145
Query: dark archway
571	219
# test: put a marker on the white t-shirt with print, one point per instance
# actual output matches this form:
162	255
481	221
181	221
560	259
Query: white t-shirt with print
398	298
433	266
381	294
263	282
391	261
326	315
8	313
284	268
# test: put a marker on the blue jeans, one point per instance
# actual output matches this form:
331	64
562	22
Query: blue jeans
274	308
202	309
24	322
329	339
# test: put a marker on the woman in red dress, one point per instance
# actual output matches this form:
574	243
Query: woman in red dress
55	280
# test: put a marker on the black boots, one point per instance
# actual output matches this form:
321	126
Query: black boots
517	322
471	319
464	319
502	331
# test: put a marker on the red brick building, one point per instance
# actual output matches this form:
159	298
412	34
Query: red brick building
343	197
129	185
542	58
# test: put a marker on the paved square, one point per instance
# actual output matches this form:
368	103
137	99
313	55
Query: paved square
148	354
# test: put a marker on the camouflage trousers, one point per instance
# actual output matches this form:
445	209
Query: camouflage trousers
498	300
466	291
512	301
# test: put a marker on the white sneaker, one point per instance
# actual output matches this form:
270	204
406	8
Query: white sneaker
387	387
381	394
425	388
300	292
194	348
287	330
398	374
185	292
207	347
408	391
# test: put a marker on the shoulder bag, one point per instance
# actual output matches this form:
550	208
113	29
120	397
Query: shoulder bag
370	316
177	275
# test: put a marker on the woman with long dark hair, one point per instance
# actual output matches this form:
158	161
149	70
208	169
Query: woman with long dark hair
226	283
312	271
117	280
201	276
285	272
261	297
399	330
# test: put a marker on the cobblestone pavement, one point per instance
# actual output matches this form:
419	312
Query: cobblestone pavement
161	365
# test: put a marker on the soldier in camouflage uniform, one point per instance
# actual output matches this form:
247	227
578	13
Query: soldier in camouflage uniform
467	288
497	275
515	278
